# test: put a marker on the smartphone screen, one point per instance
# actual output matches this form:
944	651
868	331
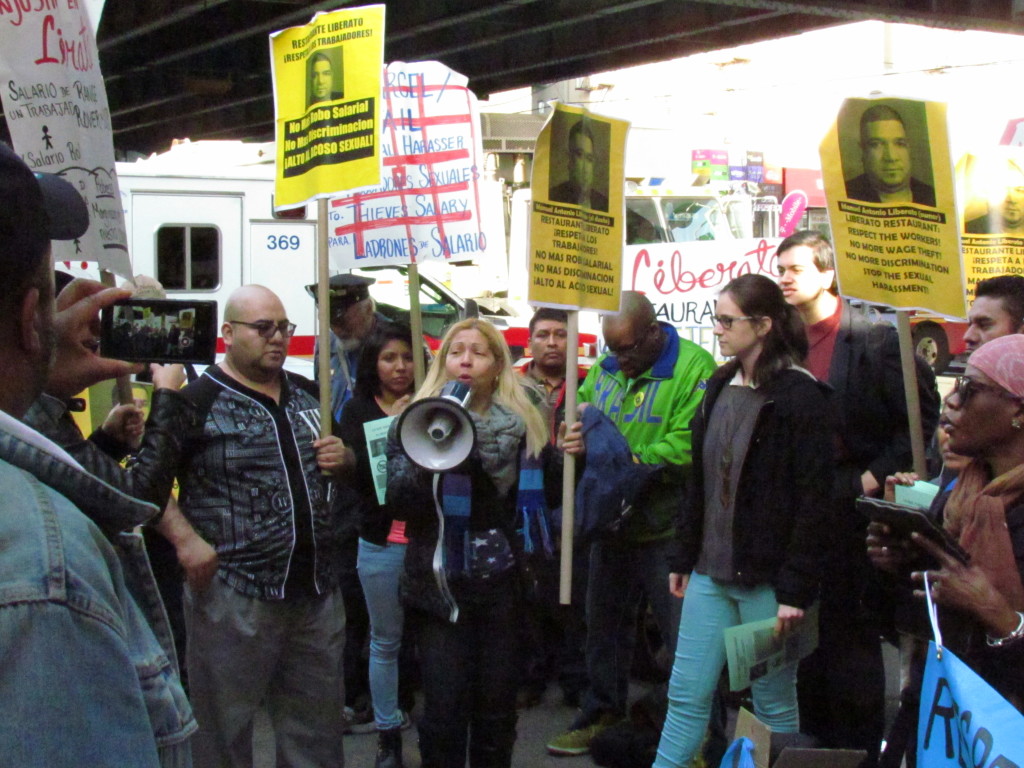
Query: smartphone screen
160	331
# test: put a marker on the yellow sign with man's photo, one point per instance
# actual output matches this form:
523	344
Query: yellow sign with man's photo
888	180
991	188
576	215
327	94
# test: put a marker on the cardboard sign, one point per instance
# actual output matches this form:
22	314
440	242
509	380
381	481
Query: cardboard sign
56	109
327	79
576	217
432	203
889	184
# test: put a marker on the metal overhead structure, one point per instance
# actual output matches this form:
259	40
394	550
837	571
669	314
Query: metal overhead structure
201	69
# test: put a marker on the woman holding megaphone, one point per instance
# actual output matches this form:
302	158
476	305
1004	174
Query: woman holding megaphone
461	582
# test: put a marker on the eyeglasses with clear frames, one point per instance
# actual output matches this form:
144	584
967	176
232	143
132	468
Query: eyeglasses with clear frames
267	328
726	321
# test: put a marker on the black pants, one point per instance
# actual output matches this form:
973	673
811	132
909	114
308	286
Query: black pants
357	624
841	686
470	675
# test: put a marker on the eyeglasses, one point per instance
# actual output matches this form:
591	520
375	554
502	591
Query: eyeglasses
965	388
267	328
726	321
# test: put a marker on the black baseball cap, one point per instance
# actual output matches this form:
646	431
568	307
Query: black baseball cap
62	209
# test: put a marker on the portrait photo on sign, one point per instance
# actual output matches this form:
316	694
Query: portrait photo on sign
993	186
324	76
885	151
579	161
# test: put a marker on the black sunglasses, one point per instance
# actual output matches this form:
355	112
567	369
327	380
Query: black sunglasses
267	328
965	388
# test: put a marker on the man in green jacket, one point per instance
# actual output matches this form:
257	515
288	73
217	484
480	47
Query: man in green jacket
649	383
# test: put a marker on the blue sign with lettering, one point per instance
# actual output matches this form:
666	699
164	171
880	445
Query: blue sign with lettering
963	721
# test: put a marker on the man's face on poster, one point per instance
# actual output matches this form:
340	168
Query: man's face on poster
1013	207
581	161
886	154
323	80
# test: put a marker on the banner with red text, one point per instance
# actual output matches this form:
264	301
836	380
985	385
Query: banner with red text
683	280
55	105
432	202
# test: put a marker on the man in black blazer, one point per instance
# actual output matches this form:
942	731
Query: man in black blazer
842	684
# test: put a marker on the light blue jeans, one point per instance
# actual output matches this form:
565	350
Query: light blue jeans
379	569
708	609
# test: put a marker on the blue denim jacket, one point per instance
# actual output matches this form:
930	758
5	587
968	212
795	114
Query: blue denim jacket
85	679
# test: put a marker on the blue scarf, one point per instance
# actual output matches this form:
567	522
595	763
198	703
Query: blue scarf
533	531
532	525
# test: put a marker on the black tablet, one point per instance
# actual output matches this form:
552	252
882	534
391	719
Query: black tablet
903	520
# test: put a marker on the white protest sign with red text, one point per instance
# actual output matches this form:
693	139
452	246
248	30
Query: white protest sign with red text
431	204
55	105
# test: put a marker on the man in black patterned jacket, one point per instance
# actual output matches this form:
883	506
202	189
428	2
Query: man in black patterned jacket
255	484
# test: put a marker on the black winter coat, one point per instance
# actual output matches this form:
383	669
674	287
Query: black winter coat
782	509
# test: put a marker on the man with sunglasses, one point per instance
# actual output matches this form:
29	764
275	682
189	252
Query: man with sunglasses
649	383
257	483
842	684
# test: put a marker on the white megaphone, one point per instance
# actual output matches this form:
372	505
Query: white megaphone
437	433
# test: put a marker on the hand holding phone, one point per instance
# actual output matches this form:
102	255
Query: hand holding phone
76	364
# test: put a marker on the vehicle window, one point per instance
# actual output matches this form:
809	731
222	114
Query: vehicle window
391	292
188	257
642	224
690	219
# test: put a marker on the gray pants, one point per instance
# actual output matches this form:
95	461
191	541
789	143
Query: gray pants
243	653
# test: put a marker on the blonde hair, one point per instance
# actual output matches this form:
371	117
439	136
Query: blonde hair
509	391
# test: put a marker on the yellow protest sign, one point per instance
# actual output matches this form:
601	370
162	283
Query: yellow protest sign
889	184
327	85
576	232
991	188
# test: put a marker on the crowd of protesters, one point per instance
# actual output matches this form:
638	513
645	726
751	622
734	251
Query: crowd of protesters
712	496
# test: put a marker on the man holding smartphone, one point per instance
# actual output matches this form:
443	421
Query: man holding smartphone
257	483
85	676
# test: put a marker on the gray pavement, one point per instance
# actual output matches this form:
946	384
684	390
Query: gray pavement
536	726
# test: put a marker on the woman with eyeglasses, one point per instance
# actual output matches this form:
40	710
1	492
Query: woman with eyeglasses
461	583
384	386
984	418
750	537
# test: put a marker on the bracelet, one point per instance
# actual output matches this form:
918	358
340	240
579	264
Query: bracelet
996	642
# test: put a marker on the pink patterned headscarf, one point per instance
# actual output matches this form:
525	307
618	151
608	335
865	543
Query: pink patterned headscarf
1002	360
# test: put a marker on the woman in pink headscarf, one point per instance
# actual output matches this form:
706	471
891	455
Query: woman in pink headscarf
985	513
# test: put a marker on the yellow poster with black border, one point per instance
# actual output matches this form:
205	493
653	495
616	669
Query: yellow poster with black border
990	184
327	86
576	213
888	180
